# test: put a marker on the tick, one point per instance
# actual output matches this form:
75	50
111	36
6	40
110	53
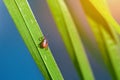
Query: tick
44	43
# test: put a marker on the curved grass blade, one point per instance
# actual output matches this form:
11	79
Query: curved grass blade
102	7
106	37
30	32
71	38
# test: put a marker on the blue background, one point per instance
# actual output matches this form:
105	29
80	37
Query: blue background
16	63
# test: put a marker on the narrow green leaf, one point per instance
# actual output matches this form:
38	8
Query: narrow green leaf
105	34
31	33
71	38
83	28
113	52
102	7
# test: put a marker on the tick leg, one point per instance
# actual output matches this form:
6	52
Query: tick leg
41	38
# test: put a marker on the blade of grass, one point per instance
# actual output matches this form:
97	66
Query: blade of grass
30	32
106	37
102	7
71	38
83	28
113	50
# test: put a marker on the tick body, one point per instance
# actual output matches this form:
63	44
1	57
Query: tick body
44	43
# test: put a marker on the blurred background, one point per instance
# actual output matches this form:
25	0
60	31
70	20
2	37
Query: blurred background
16	63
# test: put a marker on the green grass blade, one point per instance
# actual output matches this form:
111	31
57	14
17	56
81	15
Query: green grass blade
30	32
70	37
105	35
102	7
113	53
83	28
